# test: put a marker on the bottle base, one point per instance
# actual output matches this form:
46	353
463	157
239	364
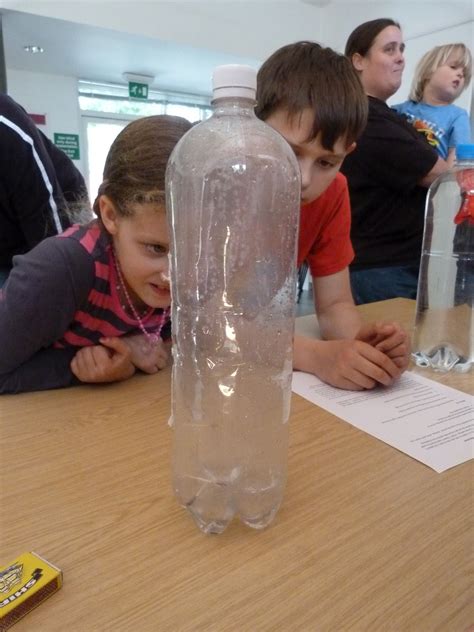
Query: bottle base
214	502
209	503
257	504
214	507
442	359
260	522
214	527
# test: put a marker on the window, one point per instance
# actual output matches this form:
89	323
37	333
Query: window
100	133
114	99
107	108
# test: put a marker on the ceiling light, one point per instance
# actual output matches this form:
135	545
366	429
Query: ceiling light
317	3
138	78
32	48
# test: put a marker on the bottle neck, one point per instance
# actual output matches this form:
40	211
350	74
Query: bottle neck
233	106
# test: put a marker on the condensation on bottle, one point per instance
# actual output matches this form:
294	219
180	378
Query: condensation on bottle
233	196
444	324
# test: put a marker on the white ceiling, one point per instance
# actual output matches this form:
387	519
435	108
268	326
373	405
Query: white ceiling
103	55
180	42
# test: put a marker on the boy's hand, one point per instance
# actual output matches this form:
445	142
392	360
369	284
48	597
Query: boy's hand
389	338
148	358
354	365
100	364
351	364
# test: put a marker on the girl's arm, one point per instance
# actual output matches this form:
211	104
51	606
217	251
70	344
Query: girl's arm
37	304
46	369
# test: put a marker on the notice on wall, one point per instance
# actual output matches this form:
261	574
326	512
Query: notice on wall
431	422
38	119
69	143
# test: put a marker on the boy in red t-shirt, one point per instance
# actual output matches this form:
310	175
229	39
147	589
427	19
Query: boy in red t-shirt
313	98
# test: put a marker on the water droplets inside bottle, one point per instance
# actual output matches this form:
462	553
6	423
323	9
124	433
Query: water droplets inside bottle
233	187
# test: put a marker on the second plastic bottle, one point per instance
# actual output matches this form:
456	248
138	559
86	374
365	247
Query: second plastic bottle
233	188
444	326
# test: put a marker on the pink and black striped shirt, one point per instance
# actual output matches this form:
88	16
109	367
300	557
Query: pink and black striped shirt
59	297
102	313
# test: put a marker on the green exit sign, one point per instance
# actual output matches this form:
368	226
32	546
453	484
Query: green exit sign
137	90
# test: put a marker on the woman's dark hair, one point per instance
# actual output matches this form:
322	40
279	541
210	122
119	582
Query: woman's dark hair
362	37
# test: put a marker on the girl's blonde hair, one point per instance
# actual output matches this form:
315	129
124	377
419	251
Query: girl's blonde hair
435	58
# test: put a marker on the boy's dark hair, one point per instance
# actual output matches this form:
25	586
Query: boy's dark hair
306	75
362	37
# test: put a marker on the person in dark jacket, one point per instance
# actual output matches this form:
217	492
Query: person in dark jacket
99	293
37	181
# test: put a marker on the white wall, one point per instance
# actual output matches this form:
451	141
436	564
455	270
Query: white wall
52	95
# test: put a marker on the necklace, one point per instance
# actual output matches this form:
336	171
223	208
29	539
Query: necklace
152	338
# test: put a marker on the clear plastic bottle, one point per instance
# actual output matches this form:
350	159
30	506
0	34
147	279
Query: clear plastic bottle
444	325
233	195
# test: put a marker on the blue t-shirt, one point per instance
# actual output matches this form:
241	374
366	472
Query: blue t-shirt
444	126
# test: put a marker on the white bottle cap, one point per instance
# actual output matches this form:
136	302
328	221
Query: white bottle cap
234	80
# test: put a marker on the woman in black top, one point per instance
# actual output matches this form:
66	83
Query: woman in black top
388	173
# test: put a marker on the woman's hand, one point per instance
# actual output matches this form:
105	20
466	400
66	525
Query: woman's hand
110	363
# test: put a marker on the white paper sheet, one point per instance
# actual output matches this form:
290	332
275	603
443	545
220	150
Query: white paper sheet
431	422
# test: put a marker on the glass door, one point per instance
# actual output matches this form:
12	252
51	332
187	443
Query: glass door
99	133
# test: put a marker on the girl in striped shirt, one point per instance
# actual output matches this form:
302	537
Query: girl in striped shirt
92	305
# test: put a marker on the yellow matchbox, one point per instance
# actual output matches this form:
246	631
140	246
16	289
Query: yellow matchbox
24	584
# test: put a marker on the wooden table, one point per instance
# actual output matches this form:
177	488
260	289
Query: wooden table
367	539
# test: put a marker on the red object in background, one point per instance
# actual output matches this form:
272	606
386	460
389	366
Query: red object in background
465	180
466	212
38	119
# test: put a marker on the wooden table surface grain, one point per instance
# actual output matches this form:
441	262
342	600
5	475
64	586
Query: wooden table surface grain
367	538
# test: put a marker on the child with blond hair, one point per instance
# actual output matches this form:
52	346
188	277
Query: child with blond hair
442	74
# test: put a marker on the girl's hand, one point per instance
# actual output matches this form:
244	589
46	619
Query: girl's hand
100	364
144	356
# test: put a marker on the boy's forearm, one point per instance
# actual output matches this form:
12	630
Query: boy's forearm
305	354
339	321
